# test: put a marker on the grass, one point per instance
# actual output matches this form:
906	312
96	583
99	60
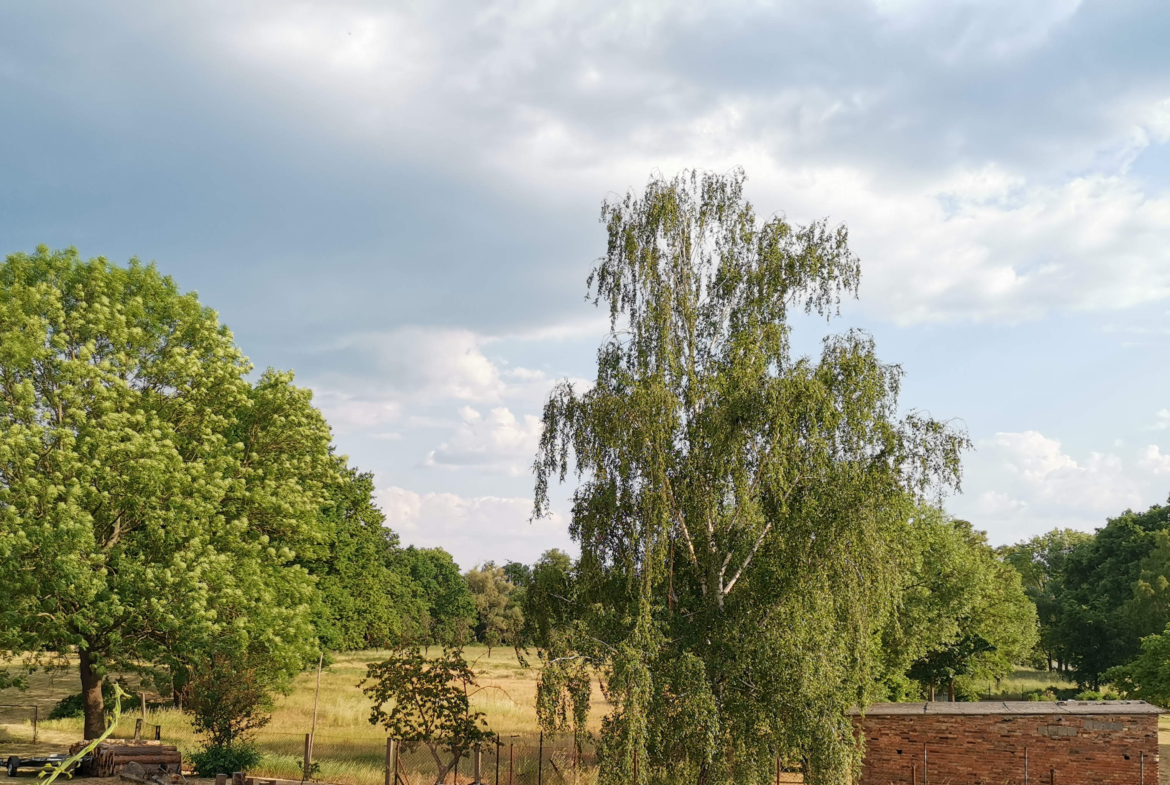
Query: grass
349	749
1025	680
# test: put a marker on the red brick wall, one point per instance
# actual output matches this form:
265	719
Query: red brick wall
989	749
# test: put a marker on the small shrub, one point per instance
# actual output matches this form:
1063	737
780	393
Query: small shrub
228	702
214	760
1041	695
1087	695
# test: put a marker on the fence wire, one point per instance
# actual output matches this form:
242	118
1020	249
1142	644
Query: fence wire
560	761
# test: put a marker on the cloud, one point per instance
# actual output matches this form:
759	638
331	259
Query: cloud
1046	474
499	442
474	529
1162	421
347	413
982	152
1024	483
1155	461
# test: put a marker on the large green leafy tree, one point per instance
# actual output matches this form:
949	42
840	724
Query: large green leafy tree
963	613
152	499
366	597
447	609
737	506
499	618
1040	563
1105	611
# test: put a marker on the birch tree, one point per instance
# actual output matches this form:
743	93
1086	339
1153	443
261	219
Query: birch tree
736	505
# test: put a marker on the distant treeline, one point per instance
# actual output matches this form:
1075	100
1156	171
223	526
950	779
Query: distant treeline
1103	601
371	592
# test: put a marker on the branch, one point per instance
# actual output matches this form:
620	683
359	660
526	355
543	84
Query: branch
759	541
687	539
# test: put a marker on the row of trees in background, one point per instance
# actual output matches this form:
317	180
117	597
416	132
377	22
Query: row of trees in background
1103	601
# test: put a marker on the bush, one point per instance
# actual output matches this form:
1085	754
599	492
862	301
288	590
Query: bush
214	760
1087	695
71	706
228	702
1041	695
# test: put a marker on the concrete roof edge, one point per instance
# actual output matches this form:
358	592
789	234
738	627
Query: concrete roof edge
1011	707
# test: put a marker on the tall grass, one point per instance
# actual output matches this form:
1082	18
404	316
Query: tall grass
348	749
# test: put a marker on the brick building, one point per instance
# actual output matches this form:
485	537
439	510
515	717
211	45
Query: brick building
1016	743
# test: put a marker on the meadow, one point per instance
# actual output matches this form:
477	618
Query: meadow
348	749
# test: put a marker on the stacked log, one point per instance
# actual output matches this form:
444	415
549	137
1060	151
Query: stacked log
108	758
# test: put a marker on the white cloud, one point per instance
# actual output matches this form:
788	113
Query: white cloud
1162	421
346	412
474	529
1046	474
1155	461
1021	484
499	442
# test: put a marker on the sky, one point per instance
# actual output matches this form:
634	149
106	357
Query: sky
400	201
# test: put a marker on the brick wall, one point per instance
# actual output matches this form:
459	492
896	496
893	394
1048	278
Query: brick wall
989	749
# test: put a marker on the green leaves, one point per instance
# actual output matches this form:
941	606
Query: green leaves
498	618
421	701
737	507
151	497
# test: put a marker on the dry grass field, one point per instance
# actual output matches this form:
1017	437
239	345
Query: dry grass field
348	748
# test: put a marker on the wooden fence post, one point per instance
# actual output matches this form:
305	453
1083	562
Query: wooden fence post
142	699
220	779
478	766
158	732
308	755
237	778
138	728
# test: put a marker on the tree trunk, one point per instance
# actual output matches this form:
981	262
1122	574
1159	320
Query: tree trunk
91	697
951	690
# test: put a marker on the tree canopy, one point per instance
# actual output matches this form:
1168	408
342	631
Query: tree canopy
1040	562
152	498
963	613
499	618
448	609
1111	593
737	507
367	598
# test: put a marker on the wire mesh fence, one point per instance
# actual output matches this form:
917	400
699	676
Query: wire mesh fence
514	760
511	761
